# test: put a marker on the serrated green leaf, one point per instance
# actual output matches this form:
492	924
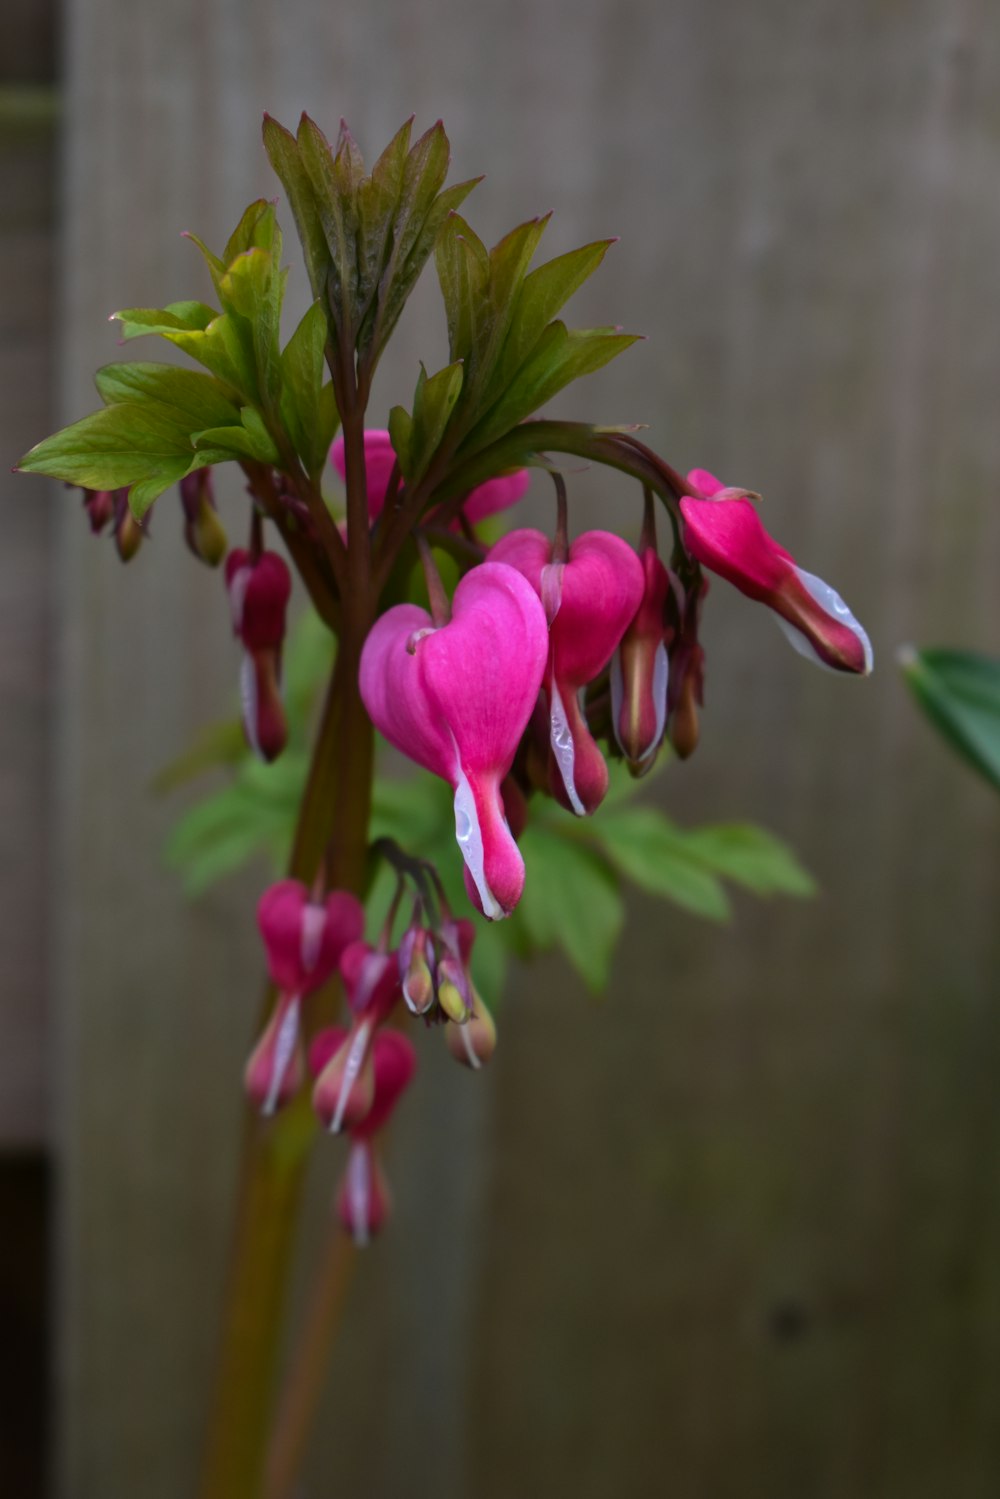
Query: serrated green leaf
542	294
571	900
199	400
178	317
308	408
960	693
285	157
118	446
749	856
250	439
653	854
560	356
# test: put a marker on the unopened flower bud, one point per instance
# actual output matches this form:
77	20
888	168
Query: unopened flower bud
415	970
473	1043
363	1200
276	1068
100	507
127	530
345	1077
684	725
203	531
259	590
640	672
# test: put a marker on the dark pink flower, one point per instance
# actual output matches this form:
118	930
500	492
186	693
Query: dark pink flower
589	601
345	1077
486	499
203	530
456	699
259	590
723	531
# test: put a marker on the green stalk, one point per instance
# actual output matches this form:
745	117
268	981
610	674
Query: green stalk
333	819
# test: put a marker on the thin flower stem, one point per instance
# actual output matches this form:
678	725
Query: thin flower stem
309	1364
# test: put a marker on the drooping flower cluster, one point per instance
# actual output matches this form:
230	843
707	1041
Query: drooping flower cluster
552	643
359	1070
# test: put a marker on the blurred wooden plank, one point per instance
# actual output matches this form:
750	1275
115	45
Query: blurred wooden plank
27	279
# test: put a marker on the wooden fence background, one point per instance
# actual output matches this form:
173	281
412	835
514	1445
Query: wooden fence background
736	1232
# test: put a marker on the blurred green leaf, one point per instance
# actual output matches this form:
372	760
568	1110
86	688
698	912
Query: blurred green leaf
179	317
655	855
571	900
960	693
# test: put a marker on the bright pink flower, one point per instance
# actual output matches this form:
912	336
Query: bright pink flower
345	1079
304	941
640	671
486	499
259	590
360	1074
723	531
589	601
456	699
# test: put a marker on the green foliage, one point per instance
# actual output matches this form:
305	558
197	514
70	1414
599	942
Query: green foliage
257	403
365	238
509	352
572	898
960	693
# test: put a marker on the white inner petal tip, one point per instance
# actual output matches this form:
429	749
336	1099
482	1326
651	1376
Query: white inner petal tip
469	836
564	750
284	1046
248	700
832	604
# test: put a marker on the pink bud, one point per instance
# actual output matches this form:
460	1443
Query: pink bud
486	499
258	595
371	980
394	1061
457	699
306	939
589	600
128	532
203	530
723	531
640	671
363	1201
345	1078
276	1067
415	956
474	1042
100	507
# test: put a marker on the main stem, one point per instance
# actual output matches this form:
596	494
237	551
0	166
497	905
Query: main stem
333	819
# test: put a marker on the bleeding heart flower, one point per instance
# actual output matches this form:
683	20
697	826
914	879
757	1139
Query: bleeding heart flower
259	589
640	671
203	530
456	699
723	531
589	601
486	499
304	941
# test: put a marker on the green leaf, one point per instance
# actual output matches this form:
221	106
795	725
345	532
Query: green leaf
286	159
509	260
542	293
199	400
249	440
120	445
463	267
338	218
308	408
749	856
570	900
560	356
654	855
378	201
401	437
179	317
253	288
960	693
256	230
433	403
